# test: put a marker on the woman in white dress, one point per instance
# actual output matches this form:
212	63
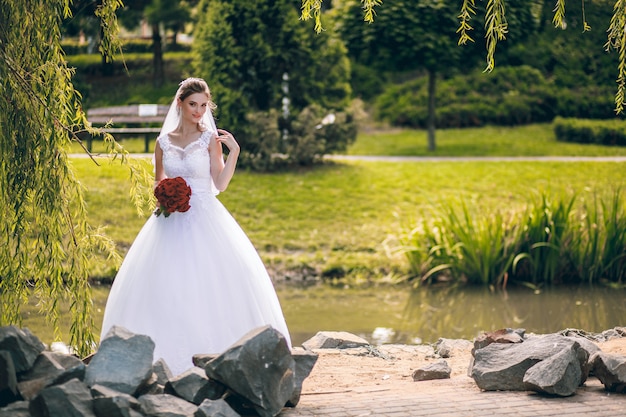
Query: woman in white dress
193	281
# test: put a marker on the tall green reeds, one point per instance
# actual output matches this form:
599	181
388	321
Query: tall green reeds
554	240
599	255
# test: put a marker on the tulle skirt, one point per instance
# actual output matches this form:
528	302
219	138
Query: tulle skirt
194	283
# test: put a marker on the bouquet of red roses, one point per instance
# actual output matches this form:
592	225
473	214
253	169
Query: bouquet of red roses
172	195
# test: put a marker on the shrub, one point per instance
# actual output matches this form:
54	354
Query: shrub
269	142
509	96
603	132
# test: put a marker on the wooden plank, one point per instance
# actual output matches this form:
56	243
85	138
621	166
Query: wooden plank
132	110
133	114
132	130
128	114
125	119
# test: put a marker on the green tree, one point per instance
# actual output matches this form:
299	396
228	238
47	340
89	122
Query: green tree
244	49
171	14
408	35
46	238
496	27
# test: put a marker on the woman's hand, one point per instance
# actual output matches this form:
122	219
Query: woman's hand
227	138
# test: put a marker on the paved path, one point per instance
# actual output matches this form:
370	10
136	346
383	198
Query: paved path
464	401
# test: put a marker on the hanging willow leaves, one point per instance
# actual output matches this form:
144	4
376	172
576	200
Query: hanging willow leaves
617	41
312	9
496	29
468	9
46	238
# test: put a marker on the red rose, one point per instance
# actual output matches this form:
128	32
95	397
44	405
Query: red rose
172	195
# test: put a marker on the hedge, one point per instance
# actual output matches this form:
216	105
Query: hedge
611	132
509	96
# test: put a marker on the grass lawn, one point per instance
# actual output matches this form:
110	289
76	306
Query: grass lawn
531	140
334	218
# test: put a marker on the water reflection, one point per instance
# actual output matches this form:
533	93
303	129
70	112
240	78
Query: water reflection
401	315
394	315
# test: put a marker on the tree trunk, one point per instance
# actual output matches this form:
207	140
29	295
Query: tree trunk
432	79
157	59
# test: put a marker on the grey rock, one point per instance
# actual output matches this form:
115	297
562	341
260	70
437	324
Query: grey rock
50	368
437	370
334	340
217	408
23	346
110	403
71	399
162	371
166	405
591	348
560	374
305	360
194	386
445	348
258	367
16	409
8	379
123	362
200	360
150	386
503	366
499	336
610	369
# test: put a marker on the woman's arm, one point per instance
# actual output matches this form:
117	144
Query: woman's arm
159	172
222	172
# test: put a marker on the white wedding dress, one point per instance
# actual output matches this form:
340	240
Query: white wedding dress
192	281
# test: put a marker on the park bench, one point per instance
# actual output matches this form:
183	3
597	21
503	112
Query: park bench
134	120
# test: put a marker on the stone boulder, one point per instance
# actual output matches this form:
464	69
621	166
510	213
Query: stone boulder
16	409
446	348
260	368
71	399
200	360
499	336
610	369
217	408
123	362
437	370
304	365
110	403
194	386
162	371
50	368
334	340
560	374
23	346
8	379
166	405
500	366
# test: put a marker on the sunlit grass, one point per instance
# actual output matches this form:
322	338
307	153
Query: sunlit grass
530	140
335	218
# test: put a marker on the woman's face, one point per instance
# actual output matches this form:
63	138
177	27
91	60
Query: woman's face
193	107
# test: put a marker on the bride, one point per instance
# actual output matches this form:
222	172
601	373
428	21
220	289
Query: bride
192	280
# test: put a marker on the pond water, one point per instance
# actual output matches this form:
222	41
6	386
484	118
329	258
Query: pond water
403	315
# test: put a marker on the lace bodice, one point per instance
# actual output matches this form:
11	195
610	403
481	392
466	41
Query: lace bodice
192	162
